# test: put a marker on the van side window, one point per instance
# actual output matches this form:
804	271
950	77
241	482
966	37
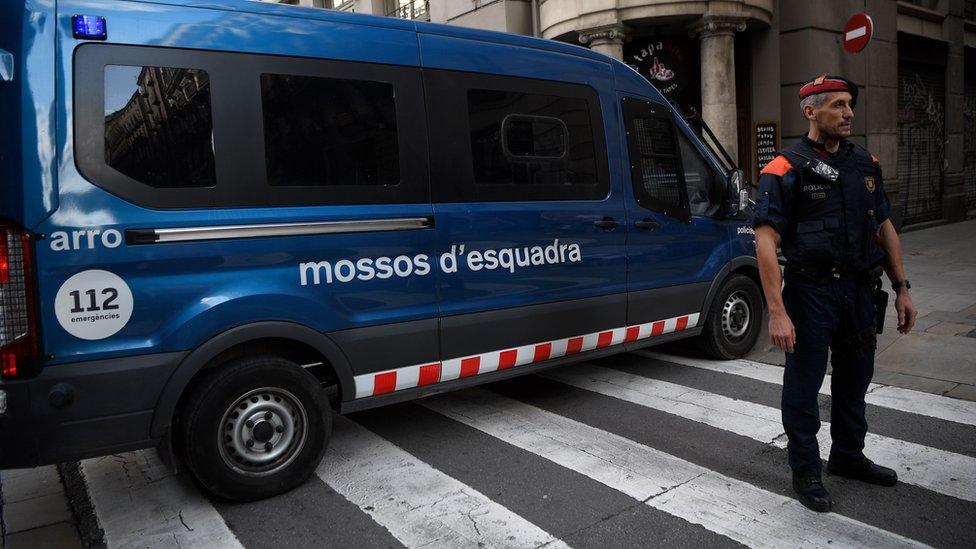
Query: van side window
655	161
704	192
327	131
179	128
530	139
658	160
159	125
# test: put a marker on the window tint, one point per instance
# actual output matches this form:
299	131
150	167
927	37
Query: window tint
329	131
656	146
534	136
704	191
159	125
549	139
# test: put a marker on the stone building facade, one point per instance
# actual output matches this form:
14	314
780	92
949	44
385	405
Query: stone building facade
738	65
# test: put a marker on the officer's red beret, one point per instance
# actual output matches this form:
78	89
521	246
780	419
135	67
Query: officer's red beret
825	83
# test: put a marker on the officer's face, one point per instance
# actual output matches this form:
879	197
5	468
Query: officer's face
834	116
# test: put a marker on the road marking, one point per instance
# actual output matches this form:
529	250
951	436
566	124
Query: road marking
139	503
931	468
885	396
418	504
741	511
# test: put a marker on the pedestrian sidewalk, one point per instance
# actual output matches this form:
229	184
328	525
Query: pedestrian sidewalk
34	511
939	355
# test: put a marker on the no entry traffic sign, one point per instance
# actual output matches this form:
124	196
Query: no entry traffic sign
857	32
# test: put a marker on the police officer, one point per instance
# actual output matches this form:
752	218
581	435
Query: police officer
822	201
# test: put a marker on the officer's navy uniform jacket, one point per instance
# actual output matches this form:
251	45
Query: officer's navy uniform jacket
827	232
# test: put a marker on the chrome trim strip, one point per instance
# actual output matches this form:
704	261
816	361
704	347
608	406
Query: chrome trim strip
227	232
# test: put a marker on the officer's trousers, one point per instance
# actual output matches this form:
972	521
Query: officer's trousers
837	314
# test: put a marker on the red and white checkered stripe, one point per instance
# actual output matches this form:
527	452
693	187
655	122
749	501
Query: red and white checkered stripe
419	375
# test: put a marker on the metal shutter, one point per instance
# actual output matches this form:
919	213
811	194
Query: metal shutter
969	139
921	139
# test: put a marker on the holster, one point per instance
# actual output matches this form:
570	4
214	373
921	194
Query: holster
880	298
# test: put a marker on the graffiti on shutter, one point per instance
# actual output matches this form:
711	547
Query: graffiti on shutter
921	140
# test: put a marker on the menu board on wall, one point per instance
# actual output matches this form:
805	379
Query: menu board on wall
767	143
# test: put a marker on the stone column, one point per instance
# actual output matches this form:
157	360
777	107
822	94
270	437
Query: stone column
954	191
608	40
718	76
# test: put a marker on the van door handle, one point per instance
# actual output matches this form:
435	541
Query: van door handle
648	224
606	223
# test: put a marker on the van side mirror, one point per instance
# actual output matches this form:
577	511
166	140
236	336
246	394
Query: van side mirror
738	191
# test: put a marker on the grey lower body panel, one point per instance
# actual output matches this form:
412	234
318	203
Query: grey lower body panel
485	332
667	302
372	349
474	333
85	409
413	394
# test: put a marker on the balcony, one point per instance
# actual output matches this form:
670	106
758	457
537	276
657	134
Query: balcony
409	9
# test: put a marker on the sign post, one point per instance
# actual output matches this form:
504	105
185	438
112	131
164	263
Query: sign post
857	32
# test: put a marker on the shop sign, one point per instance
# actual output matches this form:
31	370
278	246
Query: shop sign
665	63
767	143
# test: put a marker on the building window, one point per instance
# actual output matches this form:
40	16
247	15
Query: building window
408	9
159	125
328	131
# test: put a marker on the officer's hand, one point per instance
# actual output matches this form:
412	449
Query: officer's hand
781	331
906	311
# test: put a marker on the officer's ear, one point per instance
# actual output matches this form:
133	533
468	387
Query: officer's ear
808	112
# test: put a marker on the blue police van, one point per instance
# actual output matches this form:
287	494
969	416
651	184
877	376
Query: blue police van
223	221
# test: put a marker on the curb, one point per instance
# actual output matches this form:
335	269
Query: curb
76	490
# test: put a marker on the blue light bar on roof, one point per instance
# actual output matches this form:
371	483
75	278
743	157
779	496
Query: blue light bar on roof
88	27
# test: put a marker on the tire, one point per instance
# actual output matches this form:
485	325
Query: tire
734	319
254	428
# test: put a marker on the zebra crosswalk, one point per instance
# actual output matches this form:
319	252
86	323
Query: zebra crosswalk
636	450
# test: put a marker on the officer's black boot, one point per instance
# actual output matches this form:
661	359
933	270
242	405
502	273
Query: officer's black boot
865	471
811	492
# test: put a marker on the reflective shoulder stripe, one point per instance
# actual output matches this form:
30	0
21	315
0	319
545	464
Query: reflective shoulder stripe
778	166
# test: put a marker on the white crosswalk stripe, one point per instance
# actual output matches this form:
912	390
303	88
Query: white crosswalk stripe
418	504
945	472
736	509
139	503
885	396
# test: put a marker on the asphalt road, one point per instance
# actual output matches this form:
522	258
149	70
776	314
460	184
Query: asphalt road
635	450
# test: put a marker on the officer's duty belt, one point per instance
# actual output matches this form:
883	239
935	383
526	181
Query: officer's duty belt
862	276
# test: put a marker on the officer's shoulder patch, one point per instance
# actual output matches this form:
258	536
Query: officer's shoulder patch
869	184
778	166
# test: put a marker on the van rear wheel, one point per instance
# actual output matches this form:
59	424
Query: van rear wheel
734	319
254	428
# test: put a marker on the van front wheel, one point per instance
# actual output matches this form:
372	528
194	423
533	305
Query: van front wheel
734	319
254	428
